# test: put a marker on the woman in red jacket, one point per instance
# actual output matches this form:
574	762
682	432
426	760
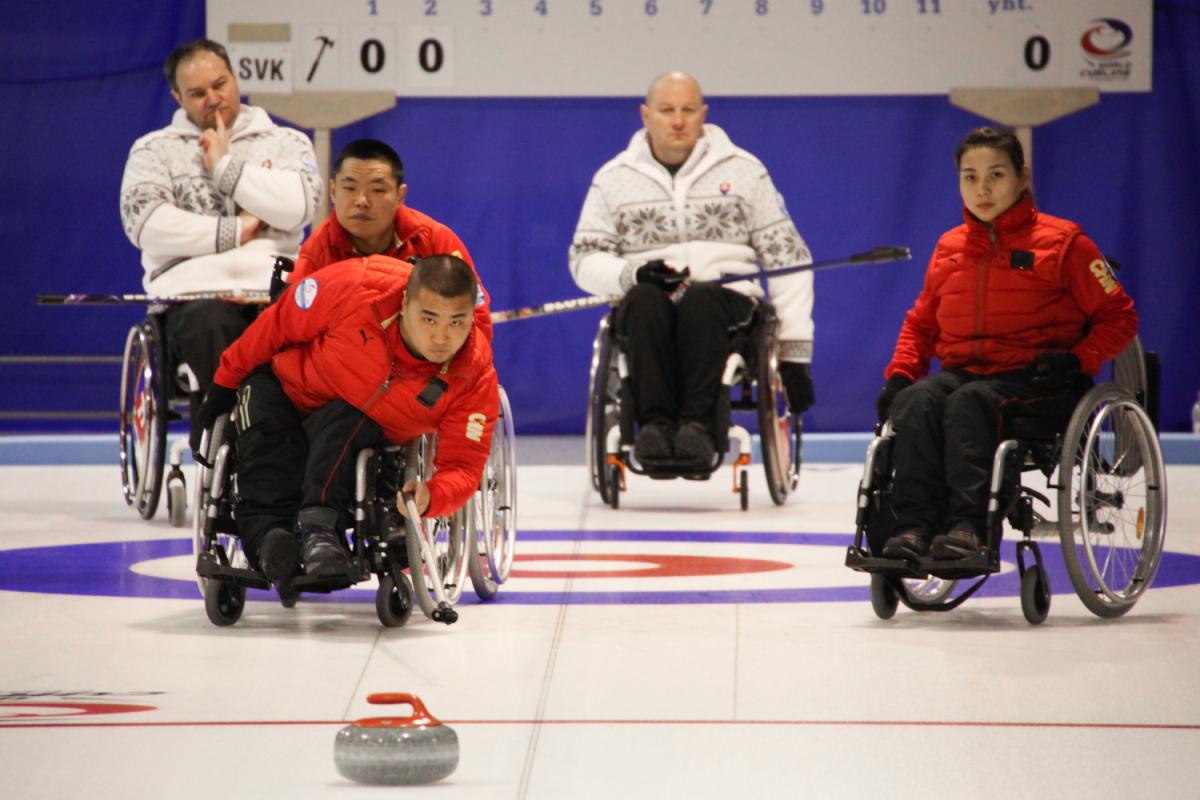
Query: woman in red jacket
1019	308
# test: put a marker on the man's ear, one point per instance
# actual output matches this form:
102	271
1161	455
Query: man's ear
401	193
178	97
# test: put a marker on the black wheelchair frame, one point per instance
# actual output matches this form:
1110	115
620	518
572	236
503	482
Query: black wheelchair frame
1104	467
751	366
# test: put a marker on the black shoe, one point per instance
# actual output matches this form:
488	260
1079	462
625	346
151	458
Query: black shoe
322	548
958	543
693	443
910	545
279	557
653	441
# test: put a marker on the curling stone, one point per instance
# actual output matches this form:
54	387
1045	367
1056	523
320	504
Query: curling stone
396	750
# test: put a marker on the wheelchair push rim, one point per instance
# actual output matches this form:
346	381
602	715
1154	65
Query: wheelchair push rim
778	428
142	426
492	515
603	388
1112	500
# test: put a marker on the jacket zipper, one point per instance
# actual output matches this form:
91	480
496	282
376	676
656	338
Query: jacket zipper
976	347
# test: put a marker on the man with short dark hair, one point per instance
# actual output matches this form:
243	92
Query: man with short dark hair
211	199
369	217
364	352
681	200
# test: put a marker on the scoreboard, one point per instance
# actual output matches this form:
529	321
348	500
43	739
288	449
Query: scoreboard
573	48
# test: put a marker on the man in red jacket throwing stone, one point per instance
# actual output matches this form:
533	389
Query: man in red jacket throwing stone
369	217
366	352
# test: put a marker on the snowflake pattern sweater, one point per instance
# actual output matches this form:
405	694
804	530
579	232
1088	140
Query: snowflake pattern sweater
184	219
719	215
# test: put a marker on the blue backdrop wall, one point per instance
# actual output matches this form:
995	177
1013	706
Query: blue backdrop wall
79	81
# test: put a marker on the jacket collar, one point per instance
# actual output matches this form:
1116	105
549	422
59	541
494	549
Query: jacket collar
1021	215
713	146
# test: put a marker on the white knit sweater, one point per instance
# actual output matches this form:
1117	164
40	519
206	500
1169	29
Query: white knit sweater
184	219
719	215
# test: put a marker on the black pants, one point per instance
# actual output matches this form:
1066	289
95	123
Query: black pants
197	333
948	427
677	351
286	463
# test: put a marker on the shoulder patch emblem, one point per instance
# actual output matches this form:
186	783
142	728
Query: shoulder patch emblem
306	294
475	424
1104	277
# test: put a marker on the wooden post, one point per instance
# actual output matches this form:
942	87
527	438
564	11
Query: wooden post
1021	109
322	112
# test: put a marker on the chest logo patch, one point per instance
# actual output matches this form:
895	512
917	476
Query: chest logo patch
475	424
306	294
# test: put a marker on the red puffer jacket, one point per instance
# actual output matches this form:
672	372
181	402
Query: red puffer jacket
326	340
995	296
416	235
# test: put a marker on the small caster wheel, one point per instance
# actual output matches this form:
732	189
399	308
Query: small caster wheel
1035	596
884	598
393	601
744	489
177	503
614	486
224	602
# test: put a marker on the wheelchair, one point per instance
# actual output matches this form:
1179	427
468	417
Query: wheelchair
154	393
426	560
1105	471
491	534
751	384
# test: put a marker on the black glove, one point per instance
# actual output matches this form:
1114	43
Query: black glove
893	387
658	273
218	402
797	381
1053	370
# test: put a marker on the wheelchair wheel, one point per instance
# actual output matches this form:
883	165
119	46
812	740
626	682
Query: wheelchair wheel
884	599
1129	372
604	390
492	512
928	590
142	427
1035	597
1112	522
779	429
177	503
224	602
614	486
210	502
393	600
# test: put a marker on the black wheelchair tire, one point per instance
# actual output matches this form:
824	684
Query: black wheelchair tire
224	602
1035	597
884	599
393	600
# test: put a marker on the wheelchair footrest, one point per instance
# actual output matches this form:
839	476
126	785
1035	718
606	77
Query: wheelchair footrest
210	568
859	560
983	562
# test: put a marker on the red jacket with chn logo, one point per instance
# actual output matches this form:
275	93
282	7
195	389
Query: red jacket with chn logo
326	341
995	296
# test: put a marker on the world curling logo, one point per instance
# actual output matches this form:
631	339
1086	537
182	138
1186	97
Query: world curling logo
1105	46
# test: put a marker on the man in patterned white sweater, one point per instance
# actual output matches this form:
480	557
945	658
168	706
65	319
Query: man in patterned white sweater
211	199
683	201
